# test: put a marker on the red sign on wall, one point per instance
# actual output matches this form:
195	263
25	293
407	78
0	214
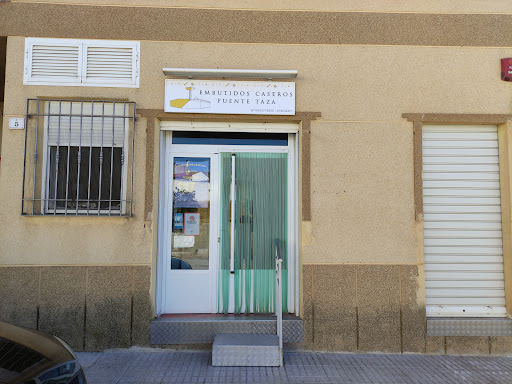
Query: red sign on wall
506	69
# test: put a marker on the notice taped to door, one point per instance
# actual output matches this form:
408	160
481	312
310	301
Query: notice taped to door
180	241
192	224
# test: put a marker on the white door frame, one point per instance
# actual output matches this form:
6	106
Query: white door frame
207	278
166	146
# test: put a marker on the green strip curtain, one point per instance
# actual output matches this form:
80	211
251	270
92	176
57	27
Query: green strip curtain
224	235
261	218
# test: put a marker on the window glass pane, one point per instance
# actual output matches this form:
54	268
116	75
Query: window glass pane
227	138
191	213
87	183
59	177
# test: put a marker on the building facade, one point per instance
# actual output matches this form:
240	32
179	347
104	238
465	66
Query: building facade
377	138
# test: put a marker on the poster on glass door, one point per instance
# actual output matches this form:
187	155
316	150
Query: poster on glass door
192	224
178	221
191	182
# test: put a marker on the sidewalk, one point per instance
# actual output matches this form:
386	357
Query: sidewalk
147	365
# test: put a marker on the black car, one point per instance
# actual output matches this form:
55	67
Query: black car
33	357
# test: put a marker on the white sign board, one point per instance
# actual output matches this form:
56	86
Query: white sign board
231	97
16	123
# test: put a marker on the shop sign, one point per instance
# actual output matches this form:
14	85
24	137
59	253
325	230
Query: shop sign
230	97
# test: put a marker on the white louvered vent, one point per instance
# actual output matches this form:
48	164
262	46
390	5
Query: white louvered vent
462	217
55	61
115	63
81	62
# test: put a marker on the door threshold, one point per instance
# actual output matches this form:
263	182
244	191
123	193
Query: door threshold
229	316
197	328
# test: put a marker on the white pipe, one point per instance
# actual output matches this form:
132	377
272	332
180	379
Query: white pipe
232	256
279	304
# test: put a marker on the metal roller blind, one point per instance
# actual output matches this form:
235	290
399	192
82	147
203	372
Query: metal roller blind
462	217
77	124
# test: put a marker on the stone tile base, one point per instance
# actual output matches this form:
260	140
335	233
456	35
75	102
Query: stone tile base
91	308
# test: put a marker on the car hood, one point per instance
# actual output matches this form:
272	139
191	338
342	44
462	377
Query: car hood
25	353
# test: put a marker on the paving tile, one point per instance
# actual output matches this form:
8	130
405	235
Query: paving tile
160	366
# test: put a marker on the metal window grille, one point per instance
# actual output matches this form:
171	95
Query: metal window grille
78	158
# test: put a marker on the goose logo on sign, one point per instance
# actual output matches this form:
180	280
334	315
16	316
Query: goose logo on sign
190	102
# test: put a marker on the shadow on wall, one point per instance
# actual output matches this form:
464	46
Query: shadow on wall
3	51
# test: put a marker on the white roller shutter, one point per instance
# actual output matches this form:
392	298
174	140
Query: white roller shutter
105	126
462	216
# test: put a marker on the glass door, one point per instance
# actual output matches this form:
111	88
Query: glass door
191	232
230	201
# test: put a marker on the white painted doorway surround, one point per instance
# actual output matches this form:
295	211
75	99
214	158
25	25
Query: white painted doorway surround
196	290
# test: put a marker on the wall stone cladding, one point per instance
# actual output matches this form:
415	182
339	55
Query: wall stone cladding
109	301
500	345
94	308
285	27
19	295
335	311
307	301
413	317
377	308
91	308
435	345
467	345
141	306
62	303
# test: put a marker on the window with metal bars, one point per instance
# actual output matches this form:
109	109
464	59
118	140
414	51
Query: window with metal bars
78	158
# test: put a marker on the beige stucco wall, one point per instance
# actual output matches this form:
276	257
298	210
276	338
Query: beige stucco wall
343	82
456	6
362	201
361	147
64	240
346	82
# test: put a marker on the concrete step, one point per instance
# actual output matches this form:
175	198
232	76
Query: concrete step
246	350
